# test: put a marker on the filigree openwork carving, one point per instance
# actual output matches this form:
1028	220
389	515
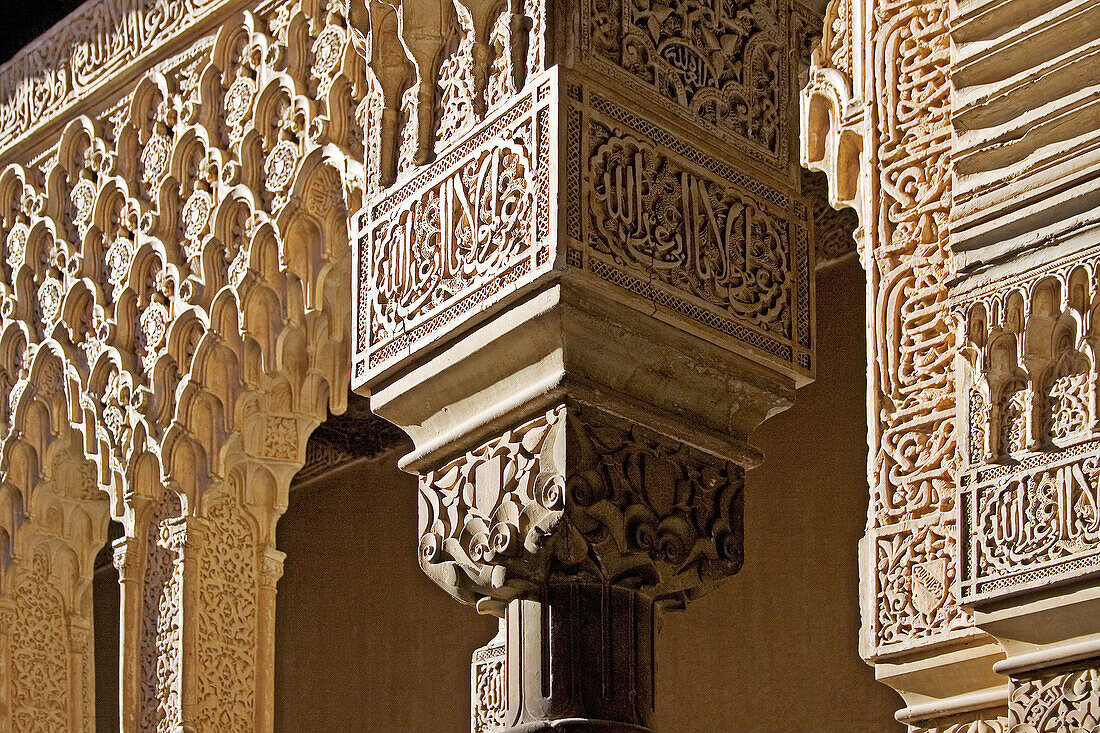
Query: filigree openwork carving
1030	508
578	493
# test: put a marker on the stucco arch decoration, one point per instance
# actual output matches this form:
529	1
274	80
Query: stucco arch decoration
175	319
876	119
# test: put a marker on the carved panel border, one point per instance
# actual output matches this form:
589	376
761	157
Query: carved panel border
656	51
459	236
699	239
1032	527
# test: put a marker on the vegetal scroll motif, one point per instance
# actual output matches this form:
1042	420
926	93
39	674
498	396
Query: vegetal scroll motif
723	62
578	492
1057	703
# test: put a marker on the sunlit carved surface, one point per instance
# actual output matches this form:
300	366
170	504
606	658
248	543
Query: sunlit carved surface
1031	512
174	305
916	111
609	190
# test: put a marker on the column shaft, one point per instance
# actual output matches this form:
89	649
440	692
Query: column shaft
581	659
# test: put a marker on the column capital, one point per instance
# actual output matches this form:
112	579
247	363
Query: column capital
271	566
579	493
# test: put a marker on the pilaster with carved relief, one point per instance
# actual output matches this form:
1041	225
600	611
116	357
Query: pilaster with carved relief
579	307
876	116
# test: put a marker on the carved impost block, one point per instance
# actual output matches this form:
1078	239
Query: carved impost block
271	566
126	558
598	165
578	494
583	283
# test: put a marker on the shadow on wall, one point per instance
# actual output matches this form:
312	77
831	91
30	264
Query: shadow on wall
774	650
365	642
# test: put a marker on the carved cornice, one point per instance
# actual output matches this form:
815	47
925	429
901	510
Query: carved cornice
94	47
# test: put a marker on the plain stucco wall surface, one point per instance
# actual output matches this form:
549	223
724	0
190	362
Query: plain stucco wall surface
774	650
366	643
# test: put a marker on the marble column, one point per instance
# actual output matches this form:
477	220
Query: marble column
581	286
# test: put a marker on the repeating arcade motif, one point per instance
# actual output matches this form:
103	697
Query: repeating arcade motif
1030	507
174	323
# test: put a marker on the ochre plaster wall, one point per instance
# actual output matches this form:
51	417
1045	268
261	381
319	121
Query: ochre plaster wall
774	650
366	643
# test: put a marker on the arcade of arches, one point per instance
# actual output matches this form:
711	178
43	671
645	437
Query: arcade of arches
296	295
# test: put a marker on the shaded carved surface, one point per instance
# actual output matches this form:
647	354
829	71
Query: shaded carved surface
161	636
723	62
834	230
582	494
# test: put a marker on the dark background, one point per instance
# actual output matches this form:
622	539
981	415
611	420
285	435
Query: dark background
25	20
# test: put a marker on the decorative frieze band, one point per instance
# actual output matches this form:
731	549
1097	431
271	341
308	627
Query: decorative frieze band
88	49
666	225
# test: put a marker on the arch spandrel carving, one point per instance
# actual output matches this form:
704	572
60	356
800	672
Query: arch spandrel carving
180	252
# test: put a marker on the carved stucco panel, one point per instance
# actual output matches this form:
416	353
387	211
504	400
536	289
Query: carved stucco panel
1062	702
1031	509
40	695
149	243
